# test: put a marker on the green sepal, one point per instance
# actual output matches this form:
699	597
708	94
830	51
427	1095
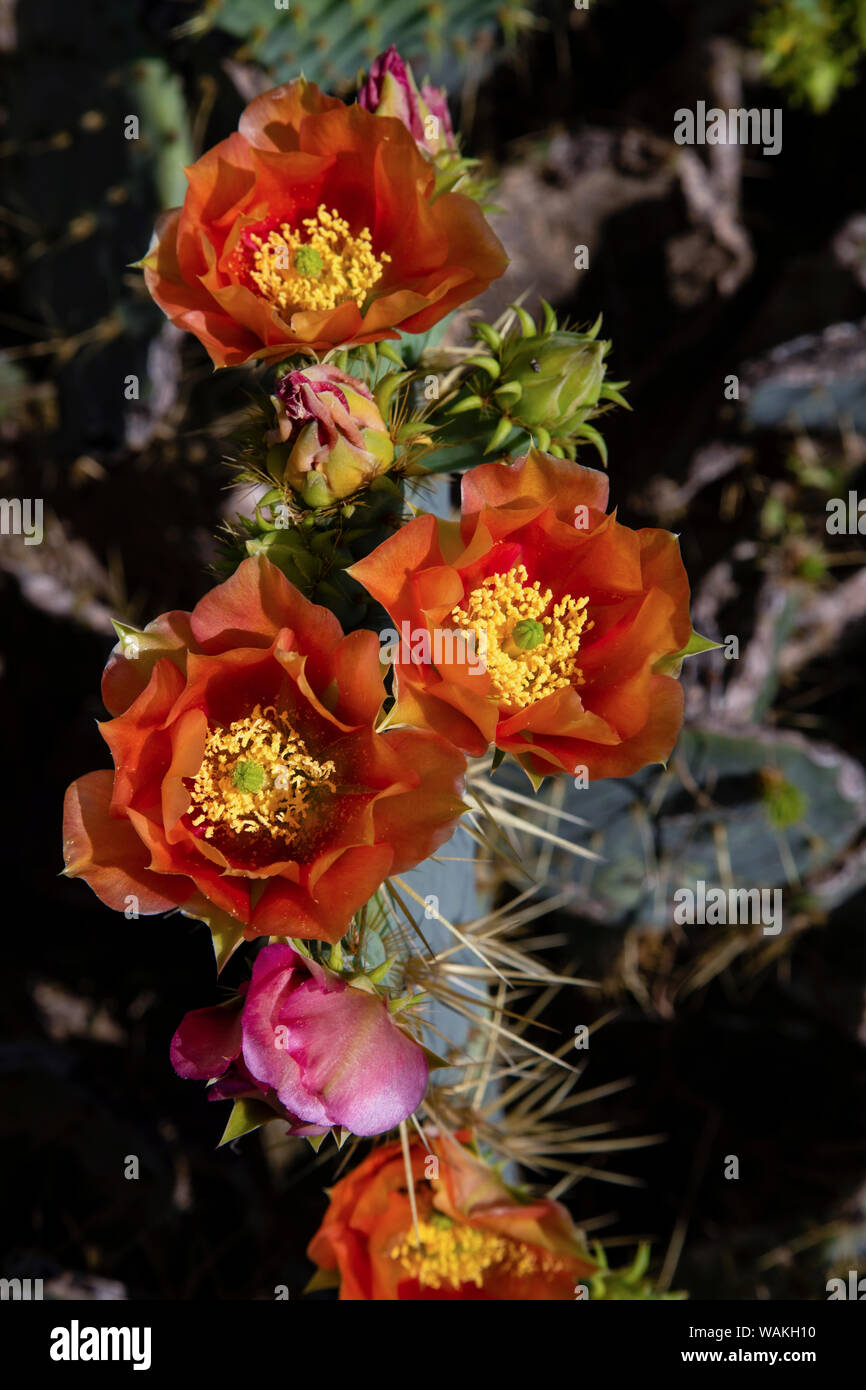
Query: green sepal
488	334
433	1059
592	435
323	1279
486	364
509	390
467	403
247	1115
411	430
527	323
408	1001
640	1266
672	665
611	393
499	435
384	391
541	438
388	350
550	321
226	933
534	777
377	976
125	631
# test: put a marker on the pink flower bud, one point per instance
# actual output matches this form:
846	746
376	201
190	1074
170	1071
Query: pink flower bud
323	1051
391	90
330	438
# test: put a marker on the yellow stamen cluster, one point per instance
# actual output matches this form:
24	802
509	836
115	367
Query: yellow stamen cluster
256	774
540	661
449	1253
319	269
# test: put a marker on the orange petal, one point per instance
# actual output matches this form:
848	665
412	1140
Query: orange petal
139	749
106	852
653	743
230	894
448	711
286	909
188	737
418	821
388	572
535	479
251	607
272	120
186	303
126	676
358	676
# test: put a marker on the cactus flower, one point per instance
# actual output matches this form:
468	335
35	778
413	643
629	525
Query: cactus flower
251	786
322	1051
330	438
583	622
315	225
476	1239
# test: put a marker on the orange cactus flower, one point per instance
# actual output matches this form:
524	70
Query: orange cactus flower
251	786
315	226
475	1239
570	622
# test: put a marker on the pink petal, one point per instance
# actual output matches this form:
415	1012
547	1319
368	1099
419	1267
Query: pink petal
207	1042
354	1060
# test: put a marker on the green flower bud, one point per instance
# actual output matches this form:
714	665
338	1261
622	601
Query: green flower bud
560	375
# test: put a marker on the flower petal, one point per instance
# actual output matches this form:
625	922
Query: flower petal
106	852
207	1042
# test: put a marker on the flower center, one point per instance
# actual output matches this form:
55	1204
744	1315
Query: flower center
319	269
445	1252
530	652
257	775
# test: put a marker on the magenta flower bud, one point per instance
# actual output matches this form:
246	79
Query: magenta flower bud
326	1053
391	90
436	102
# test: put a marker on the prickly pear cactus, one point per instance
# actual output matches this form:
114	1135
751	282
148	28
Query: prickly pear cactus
765	808
329	41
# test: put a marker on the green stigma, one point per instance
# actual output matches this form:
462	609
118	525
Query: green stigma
528	634
248	777
308	262
440	1220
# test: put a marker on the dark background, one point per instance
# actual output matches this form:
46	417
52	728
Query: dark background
765	1060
